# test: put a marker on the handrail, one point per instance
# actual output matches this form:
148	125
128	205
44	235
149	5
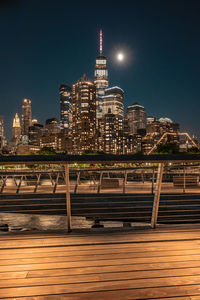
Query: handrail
17	172
69	159
109	158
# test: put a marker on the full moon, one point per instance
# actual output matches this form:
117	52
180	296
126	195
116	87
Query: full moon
120	56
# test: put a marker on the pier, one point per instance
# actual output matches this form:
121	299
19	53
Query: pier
154	254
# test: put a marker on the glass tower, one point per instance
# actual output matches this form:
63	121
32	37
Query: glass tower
65	107
113	101
26	116
101	78
84	115
136	116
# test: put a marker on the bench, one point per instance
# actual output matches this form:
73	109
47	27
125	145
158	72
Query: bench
107	183
190	181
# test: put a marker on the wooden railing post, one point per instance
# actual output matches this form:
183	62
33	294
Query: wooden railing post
68	200
156	200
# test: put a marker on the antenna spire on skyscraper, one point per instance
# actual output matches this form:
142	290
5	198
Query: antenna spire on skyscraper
101	42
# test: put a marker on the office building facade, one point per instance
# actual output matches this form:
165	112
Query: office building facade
16	129
26	116
111	134
65	107
113	101
84	115
100	78
136	116
2	137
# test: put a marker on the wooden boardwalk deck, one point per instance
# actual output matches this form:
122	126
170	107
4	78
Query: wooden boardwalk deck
143	264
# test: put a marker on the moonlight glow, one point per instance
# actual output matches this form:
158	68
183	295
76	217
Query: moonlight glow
120	56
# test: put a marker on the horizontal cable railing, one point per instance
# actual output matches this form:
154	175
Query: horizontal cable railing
163	188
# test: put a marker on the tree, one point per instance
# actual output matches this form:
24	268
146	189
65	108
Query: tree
193	150
46	151
168	148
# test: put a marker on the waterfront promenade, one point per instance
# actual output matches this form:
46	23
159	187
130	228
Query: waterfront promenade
103	263
163	263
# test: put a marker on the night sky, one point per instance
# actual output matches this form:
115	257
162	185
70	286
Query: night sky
46	43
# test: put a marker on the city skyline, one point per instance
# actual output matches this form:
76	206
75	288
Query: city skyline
160	77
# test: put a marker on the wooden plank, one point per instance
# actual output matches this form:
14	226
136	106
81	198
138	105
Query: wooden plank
112	245
120	257
180	298
151	276
160	293
194	229
66	270
188	229
116	269
13	275
102	295
109	239
98	249
140	289
8	258
138	263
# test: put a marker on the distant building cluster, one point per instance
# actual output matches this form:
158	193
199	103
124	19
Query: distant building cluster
92	119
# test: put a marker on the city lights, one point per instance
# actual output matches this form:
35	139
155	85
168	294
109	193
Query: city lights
92	118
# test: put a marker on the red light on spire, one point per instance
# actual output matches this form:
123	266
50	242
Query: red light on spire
101	42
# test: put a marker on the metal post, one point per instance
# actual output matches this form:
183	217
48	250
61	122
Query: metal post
51	178
19	185
153	178
68	200
100	181
3	185
37	183
184	180
56	183
142	175
63	175
15	180
2	180
77	182
124	182
157	195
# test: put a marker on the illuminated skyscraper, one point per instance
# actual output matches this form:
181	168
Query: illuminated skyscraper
136	116
84	115
113	101
16	130
65	107
111	133
1	126
35	132
2	137
26	116
101	77
52	126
